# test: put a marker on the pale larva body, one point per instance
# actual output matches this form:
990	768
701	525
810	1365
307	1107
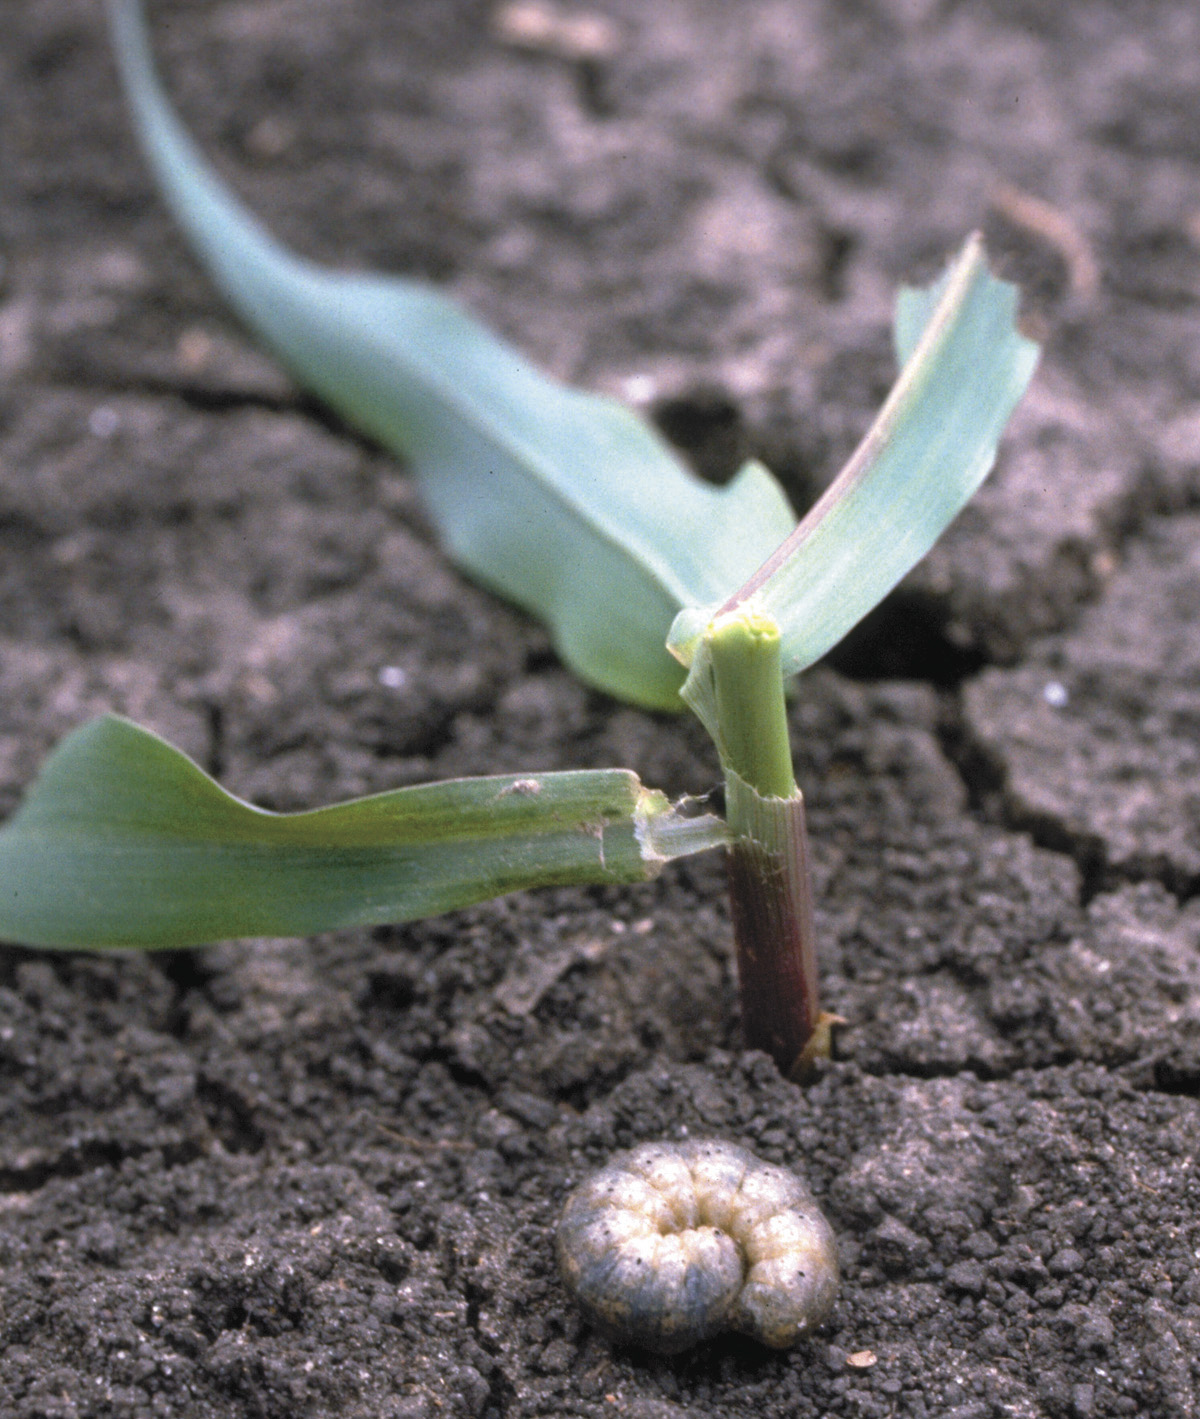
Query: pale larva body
672	1242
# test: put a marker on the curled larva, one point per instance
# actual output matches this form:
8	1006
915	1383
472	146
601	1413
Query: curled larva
672	1242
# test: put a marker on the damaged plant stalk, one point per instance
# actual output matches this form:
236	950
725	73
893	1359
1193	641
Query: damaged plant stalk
770	888
579	512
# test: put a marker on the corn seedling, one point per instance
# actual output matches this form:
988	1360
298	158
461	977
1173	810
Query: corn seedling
656	587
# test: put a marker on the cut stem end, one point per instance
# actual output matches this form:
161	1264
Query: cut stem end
744	647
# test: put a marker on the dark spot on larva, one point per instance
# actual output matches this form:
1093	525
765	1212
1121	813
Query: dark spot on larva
672	1242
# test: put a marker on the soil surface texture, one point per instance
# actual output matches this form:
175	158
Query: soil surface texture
298	1179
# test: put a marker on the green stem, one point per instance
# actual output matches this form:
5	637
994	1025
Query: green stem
750	706
769	881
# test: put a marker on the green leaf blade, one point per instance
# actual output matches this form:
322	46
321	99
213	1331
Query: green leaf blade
124	842
563	502
931	446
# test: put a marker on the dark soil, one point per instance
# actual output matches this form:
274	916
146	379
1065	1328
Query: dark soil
319	1178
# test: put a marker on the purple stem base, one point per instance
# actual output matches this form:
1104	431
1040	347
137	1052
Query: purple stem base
771	899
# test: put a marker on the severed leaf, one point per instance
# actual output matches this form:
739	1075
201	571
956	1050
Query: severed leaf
932	444
564	502
124	841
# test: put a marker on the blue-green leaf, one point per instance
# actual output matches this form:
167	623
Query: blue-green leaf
123	841
564	502
932	444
